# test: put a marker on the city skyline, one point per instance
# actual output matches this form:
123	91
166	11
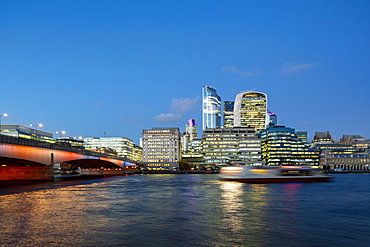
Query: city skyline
96	68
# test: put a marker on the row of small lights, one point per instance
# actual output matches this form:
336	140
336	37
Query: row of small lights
39	125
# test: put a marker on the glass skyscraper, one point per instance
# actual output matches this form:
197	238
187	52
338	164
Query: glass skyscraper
250	110
211	108
228	114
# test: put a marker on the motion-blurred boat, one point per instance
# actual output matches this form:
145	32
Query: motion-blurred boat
273	174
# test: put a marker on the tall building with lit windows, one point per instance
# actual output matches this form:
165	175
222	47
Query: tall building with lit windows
228	114
250	110
211	108
161	148
282	146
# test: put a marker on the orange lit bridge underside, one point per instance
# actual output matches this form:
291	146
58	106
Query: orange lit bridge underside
19	162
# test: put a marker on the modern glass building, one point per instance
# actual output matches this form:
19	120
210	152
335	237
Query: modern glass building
228	114
161	148
26	132
123	146
250	110
281	146
211	108
222	146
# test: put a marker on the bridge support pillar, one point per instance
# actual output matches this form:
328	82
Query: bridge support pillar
26	173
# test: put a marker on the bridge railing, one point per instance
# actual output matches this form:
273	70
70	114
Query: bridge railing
40	144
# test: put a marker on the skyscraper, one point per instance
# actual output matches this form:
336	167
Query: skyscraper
228	114
192	129
250	110
211	108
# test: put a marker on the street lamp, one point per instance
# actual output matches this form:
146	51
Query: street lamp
60	133
35	126
2	115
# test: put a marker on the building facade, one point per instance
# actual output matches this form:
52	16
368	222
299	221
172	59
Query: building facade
354	162
26	132
228	114
250	110
211	108
223	146
281	146
161	148
123	146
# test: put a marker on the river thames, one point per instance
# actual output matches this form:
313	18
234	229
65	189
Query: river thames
186	210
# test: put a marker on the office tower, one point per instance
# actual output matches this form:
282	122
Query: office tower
272	119
192	129
26	132
281	146
222	146
250	110
211	108
228	114
161	149
122	145
302	136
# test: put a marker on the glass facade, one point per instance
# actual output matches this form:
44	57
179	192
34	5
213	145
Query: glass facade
211	108
281	146
123	146
250	110
28	133
228	114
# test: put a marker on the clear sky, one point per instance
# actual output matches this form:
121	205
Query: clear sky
89	67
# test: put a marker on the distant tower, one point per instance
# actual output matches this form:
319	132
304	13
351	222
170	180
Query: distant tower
228	114
272	119
192	129
211	108
250	110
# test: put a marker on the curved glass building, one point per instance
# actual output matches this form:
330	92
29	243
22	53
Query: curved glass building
250	110
211	108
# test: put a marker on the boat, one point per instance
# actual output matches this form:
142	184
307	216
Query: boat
273	174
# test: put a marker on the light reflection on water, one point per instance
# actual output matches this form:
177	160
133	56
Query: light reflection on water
185	210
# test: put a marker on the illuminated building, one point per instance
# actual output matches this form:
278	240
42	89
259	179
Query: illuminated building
221	146
192	129
228	114
272	119
302	136
137	153
161	148
211	108
28	133
354	162
193	155
123	146
250	110
322	137
355	140
281	146
69	141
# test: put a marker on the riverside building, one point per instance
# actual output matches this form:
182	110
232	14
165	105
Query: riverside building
223	146
281	146
123	146
161	149
26	132
211	108
250	110
355	162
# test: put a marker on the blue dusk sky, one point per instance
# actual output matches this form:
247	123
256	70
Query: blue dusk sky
117	67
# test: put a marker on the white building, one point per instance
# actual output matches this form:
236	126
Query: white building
161	148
